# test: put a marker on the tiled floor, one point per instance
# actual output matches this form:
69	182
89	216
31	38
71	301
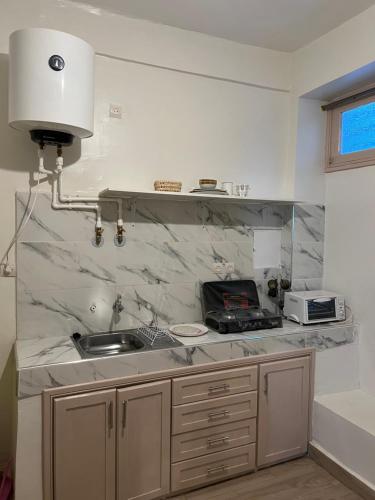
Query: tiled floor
300	479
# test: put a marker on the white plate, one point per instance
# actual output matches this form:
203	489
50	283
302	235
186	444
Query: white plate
188	330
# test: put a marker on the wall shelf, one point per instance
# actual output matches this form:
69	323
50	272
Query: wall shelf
163	195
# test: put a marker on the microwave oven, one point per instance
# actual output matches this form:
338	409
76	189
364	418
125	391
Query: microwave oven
314	306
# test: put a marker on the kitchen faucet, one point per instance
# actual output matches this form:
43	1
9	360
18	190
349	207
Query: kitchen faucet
117	306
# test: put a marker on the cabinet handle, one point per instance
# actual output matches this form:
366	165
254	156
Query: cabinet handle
217	470
218	414
266	383
219	388
110	415
218	441
124	408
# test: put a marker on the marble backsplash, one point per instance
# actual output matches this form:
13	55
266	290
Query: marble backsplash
65	284
308	247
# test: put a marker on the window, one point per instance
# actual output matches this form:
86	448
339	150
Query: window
351	132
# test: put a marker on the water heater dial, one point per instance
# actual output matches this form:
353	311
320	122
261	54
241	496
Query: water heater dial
56	62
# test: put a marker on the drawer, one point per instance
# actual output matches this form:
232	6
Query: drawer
213	385
221	437
212	468
205	414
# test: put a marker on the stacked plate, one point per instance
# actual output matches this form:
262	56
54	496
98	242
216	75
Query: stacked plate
210	191
188	330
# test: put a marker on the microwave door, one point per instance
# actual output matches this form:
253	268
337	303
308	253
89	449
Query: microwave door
321	309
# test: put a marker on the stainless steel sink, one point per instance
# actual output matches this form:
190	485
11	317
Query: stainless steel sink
107	344
114	343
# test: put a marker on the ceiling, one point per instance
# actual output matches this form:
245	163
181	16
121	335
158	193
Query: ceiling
275	24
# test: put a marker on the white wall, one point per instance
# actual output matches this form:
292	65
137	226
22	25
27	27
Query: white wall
340	52
146	42
344	55
349	254
309	150
193	106
183	127
306	149
338	62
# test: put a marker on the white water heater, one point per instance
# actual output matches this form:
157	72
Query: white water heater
51	85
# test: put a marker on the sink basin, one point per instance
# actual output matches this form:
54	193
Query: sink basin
107	344
122	342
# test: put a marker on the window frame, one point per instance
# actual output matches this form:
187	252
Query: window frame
334	159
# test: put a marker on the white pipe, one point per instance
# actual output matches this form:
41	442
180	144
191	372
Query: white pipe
57	204
84	203
42	170
98	224
85	199
120	221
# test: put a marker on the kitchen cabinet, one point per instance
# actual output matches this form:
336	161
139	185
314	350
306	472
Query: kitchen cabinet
84	446
88	428
150	440
212	415
283	417
143	429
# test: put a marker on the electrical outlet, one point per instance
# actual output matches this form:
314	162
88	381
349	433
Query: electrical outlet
115	111
218	267
229	267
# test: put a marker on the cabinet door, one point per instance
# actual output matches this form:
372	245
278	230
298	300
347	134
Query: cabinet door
85	446
144	427
284	401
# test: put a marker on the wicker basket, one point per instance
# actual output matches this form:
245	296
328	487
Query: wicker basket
168	186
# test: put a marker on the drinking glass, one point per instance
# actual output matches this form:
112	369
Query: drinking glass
242	190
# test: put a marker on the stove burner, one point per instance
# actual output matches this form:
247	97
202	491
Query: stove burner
233	306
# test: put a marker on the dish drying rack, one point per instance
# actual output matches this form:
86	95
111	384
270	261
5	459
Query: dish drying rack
156	334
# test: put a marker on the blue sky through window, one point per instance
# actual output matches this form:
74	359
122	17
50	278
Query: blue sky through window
358	129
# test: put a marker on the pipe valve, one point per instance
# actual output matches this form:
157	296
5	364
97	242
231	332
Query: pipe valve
98	235
120	234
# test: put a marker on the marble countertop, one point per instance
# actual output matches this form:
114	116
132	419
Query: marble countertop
54	361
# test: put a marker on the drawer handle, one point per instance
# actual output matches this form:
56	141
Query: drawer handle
217	470
218	441
219	388
218	414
